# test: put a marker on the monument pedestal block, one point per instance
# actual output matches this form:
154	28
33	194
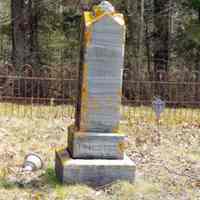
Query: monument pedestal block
93	172
89	145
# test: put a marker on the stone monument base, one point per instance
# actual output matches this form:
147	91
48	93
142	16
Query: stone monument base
90	145
92	172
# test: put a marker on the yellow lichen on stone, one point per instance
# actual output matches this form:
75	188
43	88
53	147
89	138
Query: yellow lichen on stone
57	149
109	100
115	129
63	155
66	161
81	134
95	104
91	18
88	36
121	147
88	18
84	97
120	93
97	11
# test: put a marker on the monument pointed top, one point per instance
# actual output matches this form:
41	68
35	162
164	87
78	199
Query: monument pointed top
91	19
102	10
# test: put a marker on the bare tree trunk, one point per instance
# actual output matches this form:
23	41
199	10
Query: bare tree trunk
148	50
140	34
161	36
130	8
134	12
24	32
161	43
199	14
135	23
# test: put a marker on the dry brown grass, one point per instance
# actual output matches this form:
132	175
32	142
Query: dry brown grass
167	158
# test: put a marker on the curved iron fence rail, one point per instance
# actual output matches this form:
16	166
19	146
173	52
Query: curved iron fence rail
52	94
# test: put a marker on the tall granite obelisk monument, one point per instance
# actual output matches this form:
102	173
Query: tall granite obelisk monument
95	152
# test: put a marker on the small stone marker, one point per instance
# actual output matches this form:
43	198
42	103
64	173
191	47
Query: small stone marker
158	107
95	153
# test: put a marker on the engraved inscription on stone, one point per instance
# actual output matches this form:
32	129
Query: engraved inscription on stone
102	52
97	149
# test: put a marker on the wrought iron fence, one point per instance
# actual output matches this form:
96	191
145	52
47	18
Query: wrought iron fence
51	93
182	101
44	93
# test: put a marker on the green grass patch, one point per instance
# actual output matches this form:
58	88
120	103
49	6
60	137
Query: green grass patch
4	183
50	178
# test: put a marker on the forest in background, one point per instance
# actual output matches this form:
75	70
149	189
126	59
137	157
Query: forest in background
162	45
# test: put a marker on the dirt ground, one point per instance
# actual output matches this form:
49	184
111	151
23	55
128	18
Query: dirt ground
167	159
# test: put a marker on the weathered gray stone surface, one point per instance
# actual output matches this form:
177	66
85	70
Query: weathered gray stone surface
102	75
96	145
93	172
